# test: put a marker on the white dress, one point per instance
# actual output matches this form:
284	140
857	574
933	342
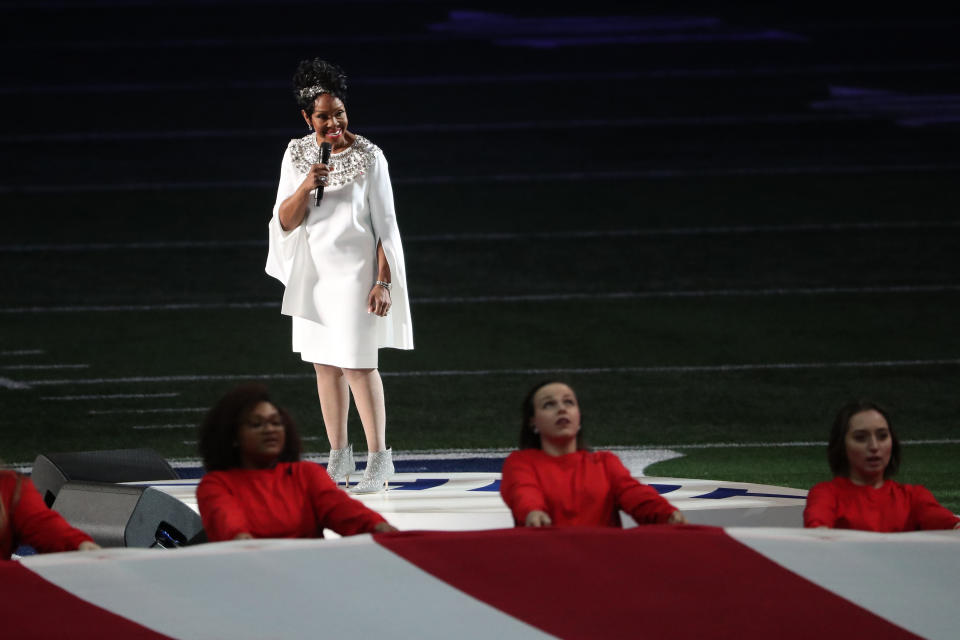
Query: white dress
329	263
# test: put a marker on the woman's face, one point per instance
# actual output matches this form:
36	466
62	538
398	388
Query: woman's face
261	436
556	413
869	445
329	119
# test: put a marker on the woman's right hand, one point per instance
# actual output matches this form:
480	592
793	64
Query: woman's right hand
317	176
294	209
538	519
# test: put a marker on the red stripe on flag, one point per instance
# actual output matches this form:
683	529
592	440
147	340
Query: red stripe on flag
651	581
31	607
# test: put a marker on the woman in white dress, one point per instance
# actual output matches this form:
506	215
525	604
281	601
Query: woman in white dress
341	261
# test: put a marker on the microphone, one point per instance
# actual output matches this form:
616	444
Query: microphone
324	159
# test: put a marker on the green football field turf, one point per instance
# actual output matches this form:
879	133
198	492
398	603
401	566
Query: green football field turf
683	311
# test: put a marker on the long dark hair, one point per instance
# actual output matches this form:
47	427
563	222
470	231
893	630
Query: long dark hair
530	439
218	431
837	447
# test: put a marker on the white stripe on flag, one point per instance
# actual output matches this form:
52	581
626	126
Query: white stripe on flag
908	578
346	588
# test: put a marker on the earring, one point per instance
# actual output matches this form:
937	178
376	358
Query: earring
309	128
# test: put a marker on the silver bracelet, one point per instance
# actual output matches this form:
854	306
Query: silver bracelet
385	285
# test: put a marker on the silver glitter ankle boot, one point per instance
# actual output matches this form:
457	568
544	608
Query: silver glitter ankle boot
341	464
376	477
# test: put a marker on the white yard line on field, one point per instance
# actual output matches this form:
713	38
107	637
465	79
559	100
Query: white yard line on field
652	232
97	412
498	299
442	373
505	178
151	427
40	367
113	396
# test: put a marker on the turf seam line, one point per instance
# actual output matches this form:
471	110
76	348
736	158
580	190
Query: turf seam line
7	383
722	368
150	427
496	236
548	297
39	367
113	396
503	178
94	412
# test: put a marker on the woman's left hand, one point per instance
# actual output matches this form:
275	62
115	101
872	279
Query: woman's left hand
378	301
384	527
677	518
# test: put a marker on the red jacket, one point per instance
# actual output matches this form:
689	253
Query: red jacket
31	521
840	504
583	488
291	500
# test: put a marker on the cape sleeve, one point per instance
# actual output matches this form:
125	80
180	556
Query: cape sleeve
220	509
641	501
927	512
283	244
397	329
821	508
520	488
40	527
334	509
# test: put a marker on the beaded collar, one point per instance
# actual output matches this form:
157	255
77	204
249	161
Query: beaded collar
348	164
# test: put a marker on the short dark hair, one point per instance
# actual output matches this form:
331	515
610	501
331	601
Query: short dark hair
218	431
530	439
318	72
837	446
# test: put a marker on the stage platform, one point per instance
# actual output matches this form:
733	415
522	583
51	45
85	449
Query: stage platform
467	501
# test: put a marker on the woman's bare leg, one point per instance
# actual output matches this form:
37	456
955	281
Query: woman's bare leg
367	388
334	402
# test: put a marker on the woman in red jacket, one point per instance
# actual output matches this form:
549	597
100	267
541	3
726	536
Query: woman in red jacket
257	487
864	453
26	519
554	480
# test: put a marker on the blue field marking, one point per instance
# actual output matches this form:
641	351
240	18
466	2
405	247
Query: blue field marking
419	484
725	492
664	488
456	465
493	486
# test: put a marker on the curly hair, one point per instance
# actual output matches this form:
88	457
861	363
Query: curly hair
529	439
837	446
218	431
318	73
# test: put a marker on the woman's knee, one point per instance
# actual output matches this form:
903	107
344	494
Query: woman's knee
358	374
327	372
